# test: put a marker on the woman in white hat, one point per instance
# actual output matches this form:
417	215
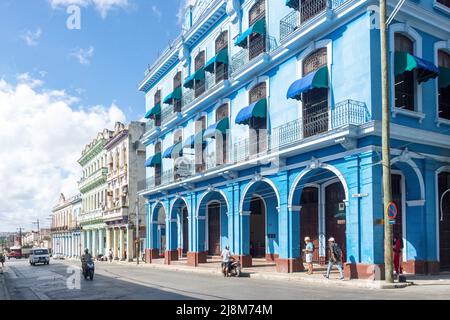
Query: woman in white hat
309	250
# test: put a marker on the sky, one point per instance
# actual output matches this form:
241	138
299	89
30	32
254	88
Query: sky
60	86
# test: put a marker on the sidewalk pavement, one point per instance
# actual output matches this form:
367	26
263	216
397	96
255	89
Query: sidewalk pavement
213	268
4	294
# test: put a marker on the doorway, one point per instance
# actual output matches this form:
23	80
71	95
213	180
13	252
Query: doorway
257	228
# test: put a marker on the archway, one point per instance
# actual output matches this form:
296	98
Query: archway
179	227
158	231
309	219
443	204
259	212
212	224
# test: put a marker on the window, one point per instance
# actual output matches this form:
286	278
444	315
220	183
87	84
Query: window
443	93
257	42
199	85
177	84
177	138
157	100
444	2
311	8
257	126
200	125
405	83
221	69
315	101
221	144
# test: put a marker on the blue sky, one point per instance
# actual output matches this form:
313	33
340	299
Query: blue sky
122	44
60	87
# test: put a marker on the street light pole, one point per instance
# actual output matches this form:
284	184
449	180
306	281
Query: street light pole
385	137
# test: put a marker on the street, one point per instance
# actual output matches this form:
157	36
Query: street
131	282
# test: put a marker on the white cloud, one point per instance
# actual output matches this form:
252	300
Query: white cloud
83	55
31	38
42	136
102	6
157	12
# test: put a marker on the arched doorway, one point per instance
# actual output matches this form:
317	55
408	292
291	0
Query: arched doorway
259	220
444	219
161	231
397	187
214	229
335	215
179	230
309	218
257	227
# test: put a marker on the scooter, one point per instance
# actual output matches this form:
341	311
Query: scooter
89	270
234	270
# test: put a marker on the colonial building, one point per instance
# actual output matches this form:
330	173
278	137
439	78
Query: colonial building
93	193
65	230
125	159
264	126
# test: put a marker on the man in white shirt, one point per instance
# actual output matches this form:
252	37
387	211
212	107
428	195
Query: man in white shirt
226	261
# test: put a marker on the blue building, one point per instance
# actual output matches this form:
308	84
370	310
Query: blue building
264	127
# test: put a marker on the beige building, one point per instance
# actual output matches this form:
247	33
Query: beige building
125	159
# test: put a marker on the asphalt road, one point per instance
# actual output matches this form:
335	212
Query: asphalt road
58	281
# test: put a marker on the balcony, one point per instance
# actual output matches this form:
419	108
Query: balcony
344	114
203	88
96	215
97	178
308	9
168	114
259	46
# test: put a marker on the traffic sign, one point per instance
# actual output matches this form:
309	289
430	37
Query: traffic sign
392	210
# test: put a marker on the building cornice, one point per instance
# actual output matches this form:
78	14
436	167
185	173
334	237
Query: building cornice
116	139
92	152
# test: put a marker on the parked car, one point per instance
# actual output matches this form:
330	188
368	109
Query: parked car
39	255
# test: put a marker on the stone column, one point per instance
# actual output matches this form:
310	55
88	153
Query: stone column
83	242
89	243
101	244
108	240
130	244
95	242
116	244
122	244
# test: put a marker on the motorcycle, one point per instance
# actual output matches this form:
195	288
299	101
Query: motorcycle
89	270
234	269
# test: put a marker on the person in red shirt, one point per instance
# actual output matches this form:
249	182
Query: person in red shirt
398	247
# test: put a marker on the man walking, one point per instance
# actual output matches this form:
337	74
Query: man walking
334	258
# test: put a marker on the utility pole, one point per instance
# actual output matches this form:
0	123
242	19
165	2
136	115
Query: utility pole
39	231
385	137
20	237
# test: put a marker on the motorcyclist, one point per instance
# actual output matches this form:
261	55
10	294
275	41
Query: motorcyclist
227	259
85	258
2	258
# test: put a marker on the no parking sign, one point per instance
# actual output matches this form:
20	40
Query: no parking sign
391	212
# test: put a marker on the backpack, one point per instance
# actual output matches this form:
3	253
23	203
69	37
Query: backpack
337	251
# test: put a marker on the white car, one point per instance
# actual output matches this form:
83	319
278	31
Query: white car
39	255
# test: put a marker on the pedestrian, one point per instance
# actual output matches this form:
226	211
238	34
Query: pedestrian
110	255
309	250
226	261
2	258
398	247
334	258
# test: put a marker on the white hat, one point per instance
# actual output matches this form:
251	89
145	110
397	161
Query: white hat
307	239
331	239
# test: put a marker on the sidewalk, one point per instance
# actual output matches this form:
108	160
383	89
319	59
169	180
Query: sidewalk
267	271
4	294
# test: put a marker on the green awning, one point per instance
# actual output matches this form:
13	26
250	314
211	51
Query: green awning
153	160
444	77
198	75
175	95
219	127
258	27
292	4
221	57
153	111
405	61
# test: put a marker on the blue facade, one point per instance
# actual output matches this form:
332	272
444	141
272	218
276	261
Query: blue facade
305	166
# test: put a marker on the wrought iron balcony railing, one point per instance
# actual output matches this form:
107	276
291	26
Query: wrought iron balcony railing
307	10
256	47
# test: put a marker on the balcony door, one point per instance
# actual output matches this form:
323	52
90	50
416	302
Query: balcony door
177	138
315	101
257	42
257	125
199	85
200	126
158	168
221	71
157	100
405	83
221	144
177	84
